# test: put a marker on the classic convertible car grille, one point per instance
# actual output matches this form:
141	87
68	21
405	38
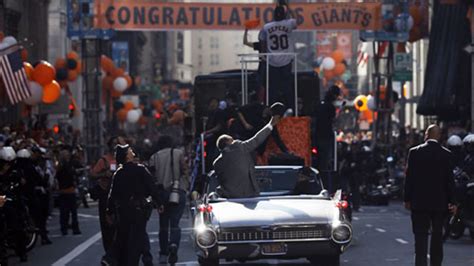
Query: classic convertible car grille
277	233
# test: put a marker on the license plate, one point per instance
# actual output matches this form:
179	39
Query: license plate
274	249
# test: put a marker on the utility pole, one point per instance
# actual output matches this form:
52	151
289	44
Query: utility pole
471	48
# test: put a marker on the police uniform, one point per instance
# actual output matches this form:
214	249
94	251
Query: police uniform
132	184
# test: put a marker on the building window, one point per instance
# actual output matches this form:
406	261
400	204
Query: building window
200	43
214	42
200	60
217	59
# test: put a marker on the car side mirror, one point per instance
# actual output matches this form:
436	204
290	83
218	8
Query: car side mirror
325	193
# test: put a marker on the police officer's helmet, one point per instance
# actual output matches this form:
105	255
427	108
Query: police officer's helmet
7	154
469	139
454	141
23	154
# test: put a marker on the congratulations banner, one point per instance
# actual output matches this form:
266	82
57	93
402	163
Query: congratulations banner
157	15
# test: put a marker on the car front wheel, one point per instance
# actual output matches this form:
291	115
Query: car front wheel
325	260
208	261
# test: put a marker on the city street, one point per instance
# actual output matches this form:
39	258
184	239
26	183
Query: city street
382	236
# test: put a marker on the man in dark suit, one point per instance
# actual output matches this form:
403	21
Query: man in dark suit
235	165
428	194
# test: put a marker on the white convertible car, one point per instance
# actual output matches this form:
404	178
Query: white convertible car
281	223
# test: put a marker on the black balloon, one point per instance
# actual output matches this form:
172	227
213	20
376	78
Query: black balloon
61	74
71	64
118	105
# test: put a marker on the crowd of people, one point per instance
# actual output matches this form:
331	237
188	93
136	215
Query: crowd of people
33	177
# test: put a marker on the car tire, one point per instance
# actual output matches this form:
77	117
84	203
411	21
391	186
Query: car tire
208	261
471	233
325	260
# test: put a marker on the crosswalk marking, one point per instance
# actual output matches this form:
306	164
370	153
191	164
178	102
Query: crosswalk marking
380	230
401	241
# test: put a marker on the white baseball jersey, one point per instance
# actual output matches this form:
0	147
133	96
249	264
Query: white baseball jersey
277	36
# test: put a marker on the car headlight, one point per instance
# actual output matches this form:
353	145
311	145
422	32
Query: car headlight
341	234
205	237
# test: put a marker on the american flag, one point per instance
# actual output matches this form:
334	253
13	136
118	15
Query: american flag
13	74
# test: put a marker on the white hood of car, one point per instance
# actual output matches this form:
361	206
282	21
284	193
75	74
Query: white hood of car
273	211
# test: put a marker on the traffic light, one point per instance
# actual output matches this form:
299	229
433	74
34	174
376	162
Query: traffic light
72	109
56	129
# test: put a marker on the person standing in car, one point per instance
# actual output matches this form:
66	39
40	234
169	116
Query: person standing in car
128	206
277	35
235	165
428	194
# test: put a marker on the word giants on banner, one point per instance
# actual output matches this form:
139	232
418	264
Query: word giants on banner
157	15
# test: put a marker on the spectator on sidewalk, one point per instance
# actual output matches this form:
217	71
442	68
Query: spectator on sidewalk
67	193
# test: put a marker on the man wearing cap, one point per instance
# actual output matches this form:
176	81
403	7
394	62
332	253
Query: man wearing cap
235	165
131	186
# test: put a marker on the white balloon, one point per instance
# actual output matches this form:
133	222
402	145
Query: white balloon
139	111
133	116
120	84
328	63
36	94
9	41
371	103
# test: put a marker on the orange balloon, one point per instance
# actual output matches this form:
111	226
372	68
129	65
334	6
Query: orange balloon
367	115
329	74
118	72
252	24
115	94
122	115
44	73
107	64
24	54
72	55
129	80
51	92
128	105
338	56
72	75
60	63
28	69
108	82
339	69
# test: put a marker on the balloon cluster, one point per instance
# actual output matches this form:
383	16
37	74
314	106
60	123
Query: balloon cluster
130	113
43	86
68	69
366	106
116	80
335	66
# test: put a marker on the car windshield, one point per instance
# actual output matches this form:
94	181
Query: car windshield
282	181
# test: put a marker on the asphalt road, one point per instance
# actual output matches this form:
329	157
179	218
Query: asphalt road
382	236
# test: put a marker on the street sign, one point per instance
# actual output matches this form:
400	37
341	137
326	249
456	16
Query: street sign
403	63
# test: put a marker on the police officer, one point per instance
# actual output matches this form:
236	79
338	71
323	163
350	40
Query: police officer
131	186
10	185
